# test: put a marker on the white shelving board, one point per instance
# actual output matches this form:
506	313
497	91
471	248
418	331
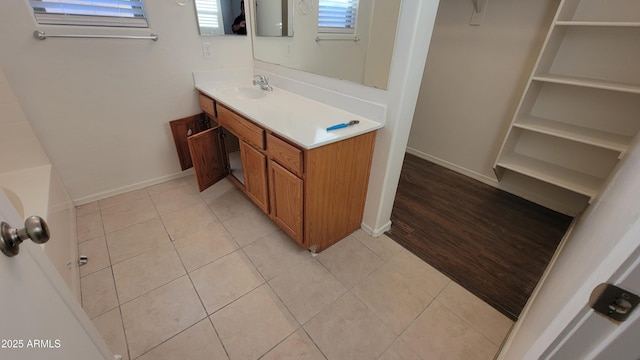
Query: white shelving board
565	178
592	83
597	23
580	109
575	133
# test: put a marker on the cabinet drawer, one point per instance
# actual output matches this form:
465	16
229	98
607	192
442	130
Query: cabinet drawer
206	104
287	155
242	128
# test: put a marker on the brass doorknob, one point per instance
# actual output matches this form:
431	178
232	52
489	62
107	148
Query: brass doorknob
35	228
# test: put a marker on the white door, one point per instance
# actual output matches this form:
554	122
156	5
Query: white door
39	317
622	342
269	17
595	337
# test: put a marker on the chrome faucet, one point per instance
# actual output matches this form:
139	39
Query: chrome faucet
263	82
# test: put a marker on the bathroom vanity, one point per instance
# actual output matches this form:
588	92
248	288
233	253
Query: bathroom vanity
275	147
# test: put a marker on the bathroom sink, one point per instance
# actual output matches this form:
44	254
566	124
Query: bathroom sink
246	92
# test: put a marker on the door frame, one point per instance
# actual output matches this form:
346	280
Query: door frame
39	271
598	248
625	274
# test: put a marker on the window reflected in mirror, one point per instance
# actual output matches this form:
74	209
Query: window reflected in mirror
217	17
337	16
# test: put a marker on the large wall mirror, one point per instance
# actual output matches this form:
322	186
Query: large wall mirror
363	56
216	17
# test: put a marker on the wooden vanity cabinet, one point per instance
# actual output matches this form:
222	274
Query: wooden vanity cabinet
316	196
287	192
199	145
207	154
336	177
286	186
254	165
181	130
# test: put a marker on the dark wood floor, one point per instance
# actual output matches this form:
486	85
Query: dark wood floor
494	244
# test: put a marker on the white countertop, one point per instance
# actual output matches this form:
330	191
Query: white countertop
296	118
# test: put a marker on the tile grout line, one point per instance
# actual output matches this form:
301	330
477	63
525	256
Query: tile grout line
399	336
411	323
170	338
239	248
480	331
114	284
115	287
313	341
350	290
104	235
207	315
113	274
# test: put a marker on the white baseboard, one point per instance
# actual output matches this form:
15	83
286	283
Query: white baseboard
459	169
378	231
106	194
537	197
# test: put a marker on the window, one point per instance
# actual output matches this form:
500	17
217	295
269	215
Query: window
337	16
123	13
209	17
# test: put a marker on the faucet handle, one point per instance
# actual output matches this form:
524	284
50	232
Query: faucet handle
261	78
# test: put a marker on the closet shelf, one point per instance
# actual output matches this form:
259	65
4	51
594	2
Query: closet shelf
597	23
586	82
579	112
576	133
557	175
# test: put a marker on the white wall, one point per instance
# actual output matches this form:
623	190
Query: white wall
20	149
101	107
16	133
473	80
381	39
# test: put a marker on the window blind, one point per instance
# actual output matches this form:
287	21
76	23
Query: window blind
209	17
337	16
122	13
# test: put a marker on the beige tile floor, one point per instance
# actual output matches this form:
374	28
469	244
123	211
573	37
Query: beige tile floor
178	274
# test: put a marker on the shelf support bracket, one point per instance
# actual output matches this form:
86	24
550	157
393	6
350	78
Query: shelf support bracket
479	8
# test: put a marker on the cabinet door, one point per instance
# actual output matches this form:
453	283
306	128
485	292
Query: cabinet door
206	151
286	201
181	129
254	167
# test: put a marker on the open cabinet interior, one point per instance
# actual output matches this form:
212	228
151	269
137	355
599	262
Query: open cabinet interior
232	145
